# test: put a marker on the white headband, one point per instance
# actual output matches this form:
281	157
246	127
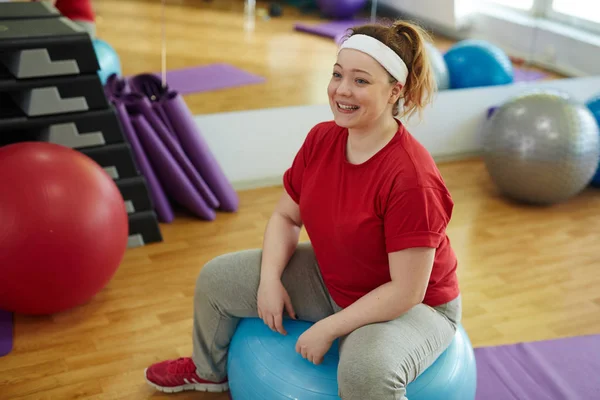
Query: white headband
380	52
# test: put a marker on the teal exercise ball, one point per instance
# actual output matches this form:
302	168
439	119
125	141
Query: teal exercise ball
477	63
263	364
107	58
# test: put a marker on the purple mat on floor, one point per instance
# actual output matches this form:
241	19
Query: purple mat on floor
208	77
330	29
560	369
525	75
6	332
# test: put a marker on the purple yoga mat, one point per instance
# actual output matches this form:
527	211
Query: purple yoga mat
526	75
208	77
142	104
115	88
169	171
560	369
6	332
187	135
160	200
198	151
333	29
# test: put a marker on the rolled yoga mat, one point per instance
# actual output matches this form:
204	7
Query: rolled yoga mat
115	87
198	151
142	105
188	135
172	177
162	206
6	332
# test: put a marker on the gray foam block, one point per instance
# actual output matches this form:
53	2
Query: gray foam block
135	240
68	135
47	101
35	63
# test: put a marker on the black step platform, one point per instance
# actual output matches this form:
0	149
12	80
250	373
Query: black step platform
42	47
116	159
21	10
50	91
75	130
135	193
143	229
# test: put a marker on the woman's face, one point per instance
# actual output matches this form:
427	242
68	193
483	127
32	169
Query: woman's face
360	92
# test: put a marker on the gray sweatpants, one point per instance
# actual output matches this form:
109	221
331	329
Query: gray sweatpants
377	361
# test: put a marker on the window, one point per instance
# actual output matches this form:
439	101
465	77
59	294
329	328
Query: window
581	9
518	4
580	14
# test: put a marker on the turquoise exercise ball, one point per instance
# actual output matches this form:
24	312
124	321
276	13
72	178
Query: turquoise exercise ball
594	106
478	63
107	58
263	364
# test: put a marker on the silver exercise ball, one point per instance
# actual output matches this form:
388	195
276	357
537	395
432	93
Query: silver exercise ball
541	147
438	66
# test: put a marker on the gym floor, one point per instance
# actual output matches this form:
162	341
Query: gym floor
526	273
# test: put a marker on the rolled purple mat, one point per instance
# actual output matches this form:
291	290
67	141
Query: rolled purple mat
148	85
171	175
162	206
158	109
142	105
198	151
115	88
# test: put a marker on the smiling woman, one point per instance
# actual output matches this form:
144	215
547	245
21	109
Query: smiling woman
378	272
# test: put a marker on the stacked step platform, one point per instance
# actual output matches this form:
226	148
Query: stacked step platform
50	91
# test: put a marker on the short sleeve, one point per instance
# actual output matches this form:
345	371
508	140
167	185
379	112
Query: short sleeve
292	178
416	217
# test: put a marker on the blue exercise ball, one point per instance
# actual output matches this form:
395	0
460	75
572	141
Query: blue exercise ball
477	63
341	9
263	364
594	106
107	58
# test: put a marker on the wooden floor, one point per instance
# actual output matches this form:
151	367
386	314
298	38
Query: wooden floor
297	66
526	273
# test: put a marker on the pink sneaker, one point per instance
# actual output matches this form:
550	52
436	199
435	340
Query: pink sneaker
175	376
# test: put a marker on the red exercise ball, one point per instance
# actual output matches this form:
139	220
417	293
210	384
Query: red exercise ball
63	228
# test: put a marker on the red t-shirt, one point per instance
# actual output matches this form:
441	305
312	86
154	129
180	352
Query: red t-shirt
356	214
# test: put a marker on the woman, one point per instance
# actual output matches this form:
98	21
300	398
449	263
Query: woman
379	272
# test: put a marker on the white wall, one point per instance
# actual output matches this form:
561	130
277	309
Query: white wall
549	44
445	14
254	148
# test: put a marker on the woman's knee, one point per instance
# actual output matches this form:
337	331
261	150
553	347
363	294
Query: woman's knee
369	378
229	271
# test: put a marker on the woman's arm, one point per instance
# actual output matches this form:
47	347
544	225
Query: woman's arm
410	270
280	238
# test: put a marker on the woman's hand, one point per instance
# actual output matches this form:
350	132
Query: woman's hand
315	342
272	298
